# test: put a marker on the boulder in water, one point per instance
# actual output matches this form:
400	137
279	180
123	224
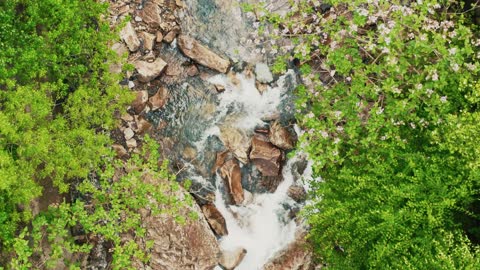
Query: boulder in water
281	137
215	219
232	258
265	156
230	171
159	100
237	141
201	54
140	101
297	193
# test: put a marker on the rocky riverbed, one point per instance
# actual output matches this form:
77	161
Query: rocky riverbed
227	124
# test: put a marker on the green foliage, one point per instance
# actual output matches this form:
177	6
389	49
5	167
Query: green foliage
390	107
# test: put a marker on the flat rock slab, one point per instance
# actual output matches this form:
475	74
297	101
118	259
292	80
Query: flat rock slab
201	54
149	71
151	14
215	219
231	172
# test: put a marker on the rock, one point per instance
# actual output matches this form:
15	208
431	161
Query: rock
248	197
151	14
297	193
263	73
202	54
142	125
192	70
159	37
215	219
120	49
173	70
189	246
296	256
232	258
281	137
130	37
127	117
120	150
189	153
270	183
138	19
132	143
237	141
149	71
220	88
140	101
230	171
128	133
160	98
170	36
131	84
265	156
261	87
221	157
148	41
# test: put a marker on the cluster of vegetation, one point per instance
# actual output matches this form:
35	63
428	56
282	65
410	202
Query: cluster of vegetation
391	110
57	105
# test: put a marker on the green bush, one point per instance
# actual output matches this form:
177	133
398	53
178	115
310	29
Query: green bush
390	106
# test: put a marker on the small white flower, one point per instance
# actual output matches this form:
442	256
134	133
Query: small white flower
337	114
419	86
336	140
429	92
310	115
335	153
435	76
339	128
443	99
471	66
324	134
455	67
413	125
380	110
452	51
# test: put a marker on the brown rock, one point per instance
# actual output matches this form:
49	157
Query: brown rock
170	36
148	41
120	150
150	14
160	98
230	171
132	143
232	258
297	193
149	71
220	160
192	70
130	37
142	125
296	256
265	156
215	219
281	137
159	37
128	133
140	102
189	246
237	141
271	183
220	88
201	54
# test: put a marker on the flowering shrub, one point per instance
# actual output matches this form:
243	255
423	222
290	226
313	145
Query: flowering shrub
390	105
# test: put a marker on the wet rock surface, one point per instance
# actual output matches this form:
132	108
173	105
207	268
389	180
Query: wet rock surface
266	157
215	219
230	171
281	136
232	258
147	71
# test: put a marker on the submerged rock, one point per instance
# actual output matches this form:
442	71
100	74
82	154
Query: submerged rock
297	193
281	137
149	71
232	258
130	37
215	219
230	171
265	156
201	54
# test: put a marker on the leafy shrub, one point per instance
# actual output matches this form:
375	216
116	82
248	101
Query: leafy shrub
390	105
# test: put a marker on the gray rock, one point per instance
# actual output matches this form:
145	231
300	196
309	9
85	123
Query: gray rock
151	14
149	71
232	258
262	71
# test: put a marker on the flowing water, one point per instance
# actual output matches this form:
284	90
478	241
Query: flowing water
196	115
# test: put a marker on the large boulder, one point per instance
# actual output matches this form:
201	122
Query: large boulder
150	14
201	54
281	136
215	219
230	171
236	141
190	246
265	156
148	71
232	258
130	37
296	256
